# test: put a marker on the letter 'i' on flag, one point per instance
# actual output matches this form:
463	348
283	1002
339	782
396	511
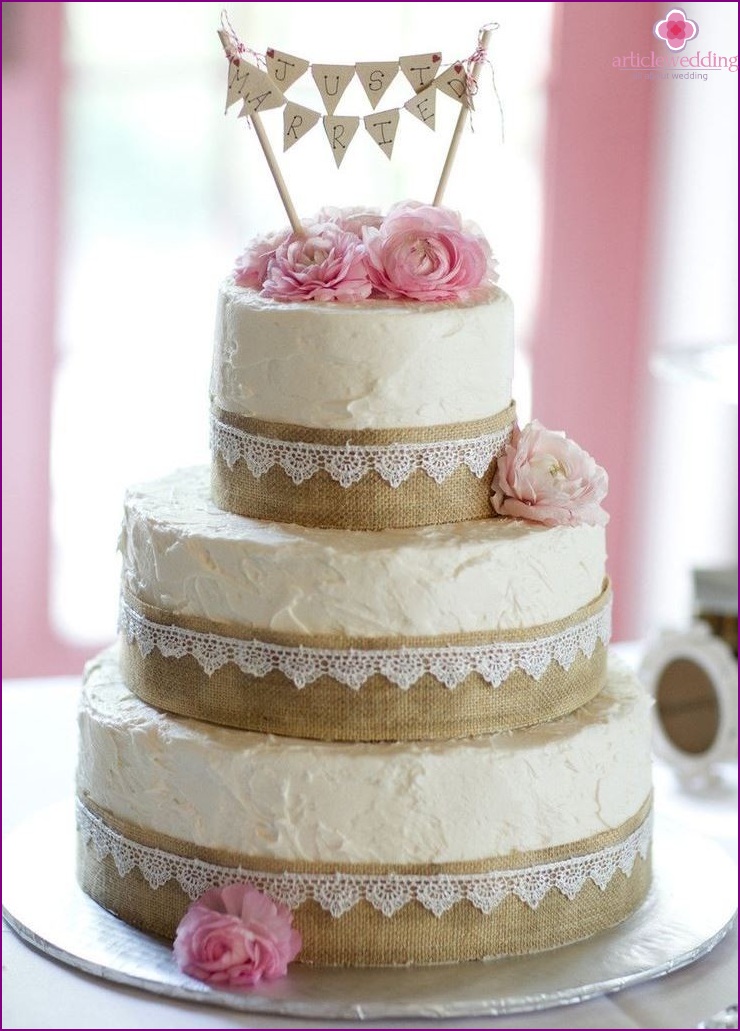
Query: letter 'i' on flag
382	126
376	77
332	80
424	106
420	69
284	69
339	132
297	121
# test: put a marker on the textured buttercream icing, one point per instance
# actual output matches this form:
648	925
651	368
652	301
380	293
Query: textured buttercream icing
412	802
371	365
184	555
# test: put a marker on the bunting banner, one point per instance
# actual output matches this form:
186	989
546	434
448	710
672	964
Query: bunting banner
261	81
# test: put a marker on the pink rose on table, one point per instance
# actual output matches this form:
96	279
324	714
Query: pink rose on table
235	936
251	266
547	478
426	253
327	264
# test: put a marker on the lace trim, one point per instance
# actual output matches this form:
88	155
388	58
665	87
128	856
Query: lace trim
353	667
349	463
337	893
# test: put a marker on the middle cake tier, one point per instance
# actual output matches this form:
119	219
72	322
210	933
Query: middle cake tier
408	634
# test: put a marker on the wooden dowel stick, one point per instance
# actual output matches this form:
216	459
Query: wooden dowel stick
483	39
277	175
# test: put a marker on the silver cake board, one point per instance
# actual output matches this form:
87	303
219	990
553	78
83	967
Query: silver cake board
690	908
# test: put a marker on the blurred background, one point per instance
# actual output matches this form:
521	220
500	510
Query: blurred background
609	195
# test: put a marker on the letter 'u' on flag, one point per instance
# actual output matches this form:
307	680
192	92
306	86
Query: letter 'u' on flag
284	69
420	69
424	106
376	77
339	132
297	121
382	126
332	80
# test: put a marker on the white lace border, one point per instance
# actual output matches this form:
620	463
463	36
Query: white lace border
337	893
347	464
353	667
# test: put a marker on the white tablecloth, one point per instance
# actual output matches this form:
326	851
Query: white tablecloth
39	748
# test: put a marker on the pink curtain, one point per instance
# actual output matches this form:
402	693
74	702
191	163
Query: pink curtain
32	94
589	354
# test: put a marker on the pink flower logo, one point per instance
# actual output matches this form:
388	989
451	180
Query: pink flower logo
675	29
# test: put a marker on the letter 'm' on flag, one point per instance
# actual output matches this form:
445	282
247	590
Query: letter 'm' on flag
376	77
420	69
284	69
339	132
332	80
297	121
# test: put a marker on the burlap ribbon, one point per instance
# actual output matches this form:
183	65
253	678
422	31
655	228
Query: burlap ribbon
163	658
363	935
372	503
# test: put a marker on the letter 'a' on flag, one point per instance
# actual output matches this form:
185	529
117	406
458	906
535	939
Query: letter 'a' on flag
297	121
382	126
284	69
332	80
339	132
376	77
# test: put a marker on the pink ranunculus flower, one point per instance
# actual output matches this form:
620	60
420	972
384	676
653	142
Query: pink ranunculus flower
547	478
251	266
327	264
235	936
426	253
675	29
351	220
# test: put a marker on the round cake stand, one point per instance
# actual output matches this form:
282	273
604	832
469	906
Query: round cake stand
689	909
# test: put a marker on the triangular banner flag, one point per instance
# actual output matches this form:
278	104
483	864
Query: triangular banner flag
376	77
424	105
382	127
257	90
238	76
453	82
339	132
420	69
284	69
297	121
332	80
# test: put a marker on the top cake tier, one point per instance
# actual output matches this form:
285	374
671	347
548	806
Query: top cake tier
369	415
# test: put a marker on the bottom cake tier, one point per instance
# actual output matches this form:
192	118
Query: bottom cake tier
413	852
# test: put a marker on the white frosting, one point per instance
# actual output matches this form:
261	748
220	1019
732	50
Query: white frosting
183	554
357	366
412	802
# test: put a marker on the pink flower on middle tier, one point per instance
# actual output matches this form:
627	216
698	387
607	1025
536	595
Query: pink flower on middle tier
547	478
425	253
327	264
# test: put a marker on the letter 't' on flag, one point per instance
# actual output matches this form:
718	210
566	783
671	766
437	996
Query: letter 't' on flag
424	106
420	69
376	77
297	121
382	126
339	132
284	69
332	80
453	82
